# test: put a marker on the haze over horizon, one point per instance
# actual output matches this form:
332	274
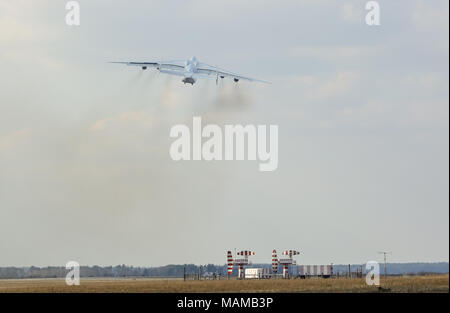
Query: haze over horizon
363	116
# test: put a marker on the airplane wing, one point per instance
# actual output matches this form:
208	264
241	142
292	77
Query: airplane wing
215	72
202	70
166	65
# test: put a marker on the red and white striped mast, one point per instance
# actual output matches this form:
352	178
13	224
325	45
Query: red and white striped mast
229	263
288	261
274	262
239	262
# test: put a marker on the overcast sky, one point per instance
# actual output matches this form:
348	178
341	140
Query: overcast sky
363	115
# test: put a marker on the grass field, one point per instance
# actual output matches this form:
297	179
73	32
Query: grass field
431	283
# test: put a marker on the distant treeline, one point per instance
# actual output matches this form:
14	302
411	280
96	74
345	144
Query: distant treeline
210	269
111	271
401	268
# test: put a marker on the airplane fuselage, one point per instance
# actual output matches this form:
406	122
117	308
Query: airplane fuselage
190	69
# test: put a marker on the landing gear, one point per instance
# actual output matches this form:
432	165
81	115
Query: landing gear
188	80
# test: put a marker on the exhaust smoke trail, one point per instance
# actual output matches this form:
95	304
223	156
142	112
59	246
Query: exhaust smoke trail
134	79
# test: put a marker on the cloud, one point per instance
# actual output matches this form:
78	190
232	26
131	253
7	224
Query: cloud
432	16
351	13
92	165
427	84
314	89
10	140
343	82
337	52
136	118
431	19
430	113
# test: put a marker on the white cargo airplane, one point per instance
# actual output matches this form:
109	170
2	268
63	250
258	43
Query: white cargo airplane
191	70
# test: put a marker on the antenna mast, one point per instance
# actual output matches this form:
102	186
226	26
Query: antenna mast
384	254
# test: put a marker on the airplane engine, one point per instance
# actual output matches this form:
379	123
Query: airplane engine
236	80
144	67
